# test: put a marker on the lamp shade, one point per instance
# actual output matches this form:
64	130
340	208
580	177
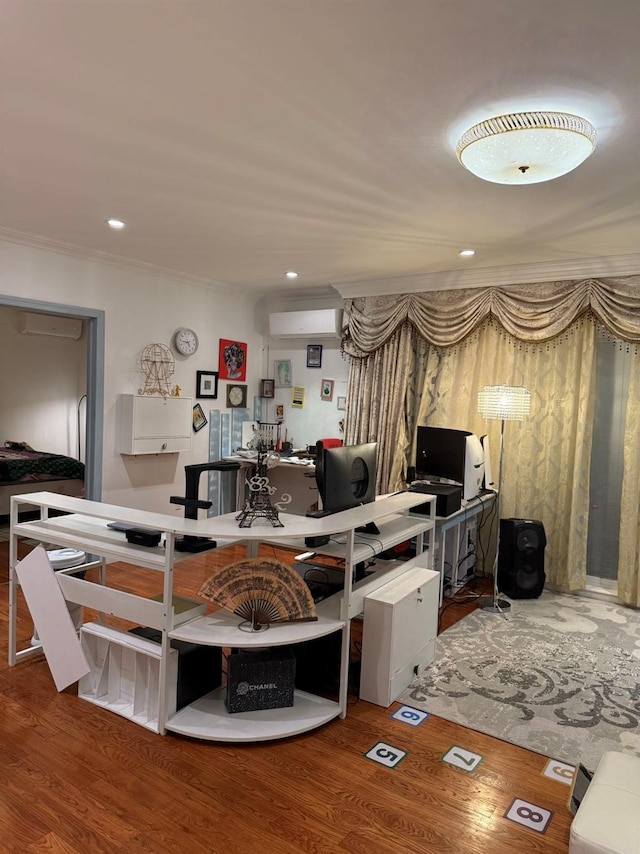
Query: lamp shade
526	148
504	402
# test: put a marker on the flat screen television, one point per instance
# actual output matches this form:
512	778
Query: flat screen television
345	476
450	456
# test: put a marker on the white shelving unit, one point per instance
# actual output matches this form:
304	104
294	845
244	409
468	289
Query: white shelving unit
137	678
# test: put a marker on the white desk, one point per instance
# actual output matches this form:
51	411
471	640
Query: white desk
136	678
455	523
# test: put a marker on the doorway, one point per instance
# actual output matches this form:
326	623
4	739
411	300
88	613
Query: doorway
94	320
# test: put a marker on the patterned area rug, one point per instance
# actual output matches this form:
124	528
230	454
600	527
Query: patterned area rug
560	677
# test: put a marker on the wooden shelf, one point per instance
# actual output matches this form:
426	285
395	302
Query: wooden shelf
208	719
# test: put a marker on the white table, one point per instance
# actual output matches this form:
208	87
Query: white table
455	523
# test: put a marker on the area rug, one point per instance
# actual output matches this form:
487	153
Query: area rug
560	677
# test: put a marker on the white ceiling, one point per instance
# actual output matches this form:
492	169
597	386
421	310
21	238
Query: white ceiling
242	138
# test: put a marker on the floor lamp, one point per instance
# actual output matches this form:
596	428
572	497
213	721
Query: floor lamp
502	403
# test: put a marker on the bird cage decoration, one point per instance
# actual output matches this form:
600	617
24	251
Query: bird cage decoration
157	365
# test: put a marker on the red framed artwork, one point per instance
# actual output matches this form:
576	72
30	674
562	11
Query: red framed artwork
232	364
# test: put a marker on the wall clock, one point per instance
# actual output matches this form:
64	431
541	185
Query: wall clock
236	396
185	341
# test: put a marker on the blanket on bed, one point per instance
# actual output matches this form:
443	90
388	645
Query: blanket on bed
17	463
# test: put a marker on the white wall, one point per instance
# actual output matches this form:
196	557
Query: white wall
140	308
41	383
319	419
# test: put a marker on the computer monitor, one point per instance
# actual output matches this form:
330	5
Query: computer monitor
346	476
450	456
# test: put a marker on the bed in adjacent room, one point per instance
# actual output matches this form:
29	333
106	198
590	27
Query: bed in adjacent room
23	469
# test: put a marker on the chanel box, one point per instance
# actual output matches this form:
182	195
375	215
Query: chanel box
260	680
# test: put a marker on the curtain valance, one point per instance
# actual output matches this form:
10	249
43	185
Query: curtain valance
535	312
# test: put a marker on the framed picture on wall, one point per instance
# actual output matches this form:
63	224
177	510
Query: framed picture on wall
342	402
199	418
283	373
207	384
326	389
314	355
297	397
232	361
267	388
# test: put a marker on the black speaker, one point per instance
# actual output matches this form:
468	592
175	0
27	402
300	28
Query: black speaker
521	558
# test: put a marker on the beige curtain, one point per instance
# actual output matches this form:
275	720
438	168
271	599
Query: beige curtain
542	337
546	457
376	408
629	541
534	312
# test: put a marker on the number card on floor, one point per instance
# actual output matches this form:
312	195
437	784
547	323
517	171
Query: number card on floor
407	715
385	754
560	771
461	758
529	815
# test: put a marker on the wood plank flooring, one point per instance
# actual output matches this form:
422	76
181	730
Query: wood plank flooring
78	779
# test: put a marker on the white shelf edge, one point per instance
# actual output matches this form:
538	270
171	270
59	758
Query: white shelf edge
208	719
221	629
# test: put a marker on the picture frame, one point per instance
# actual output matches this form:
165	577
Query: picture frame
283	373
326	389
297	397
314	355
232	360
342	402
267	388
280	412
207	384
236	396
199	418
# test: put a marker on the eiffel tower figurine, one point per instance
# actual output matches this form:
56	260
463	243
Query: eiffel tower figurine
258	505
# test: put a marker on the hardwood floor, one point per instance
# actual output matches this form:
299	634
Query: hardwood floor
78	779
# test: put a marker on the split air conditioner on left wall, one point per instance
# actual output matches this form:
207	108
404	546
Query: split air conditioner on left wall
33	323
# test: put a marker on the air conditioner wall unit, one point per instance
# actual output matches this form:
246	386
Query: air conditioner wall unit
32	323
314	323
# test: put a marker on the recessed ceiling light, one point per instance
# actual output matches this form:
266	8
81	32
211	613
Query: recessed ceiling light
116	224
291	274
467	253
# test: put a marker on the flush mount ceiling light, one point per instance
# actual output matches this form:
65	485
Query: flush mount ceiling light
526	148
291	274
116	224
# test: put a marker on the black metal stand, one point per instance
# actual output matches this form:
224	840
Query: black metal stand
192	504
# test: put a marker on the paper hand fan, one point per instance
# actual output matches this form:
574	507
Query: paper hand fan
261	591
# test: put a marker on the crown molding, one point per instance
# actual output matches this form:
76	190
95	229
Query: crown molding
35	241
520	274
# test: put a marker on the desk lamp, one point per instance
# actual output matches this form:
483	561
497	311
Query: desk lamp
503	403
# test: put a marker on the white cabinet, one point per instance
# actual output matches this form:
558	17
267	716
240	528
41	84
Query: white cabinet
153	425
399	634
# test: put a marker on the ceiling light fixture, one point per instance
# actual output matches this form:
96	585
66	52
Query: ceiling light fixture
467	253
116	224
291	274
526	148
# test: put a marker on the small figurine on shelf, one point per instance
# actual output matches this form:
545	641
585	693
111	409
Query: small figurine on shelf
176	391
258	504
